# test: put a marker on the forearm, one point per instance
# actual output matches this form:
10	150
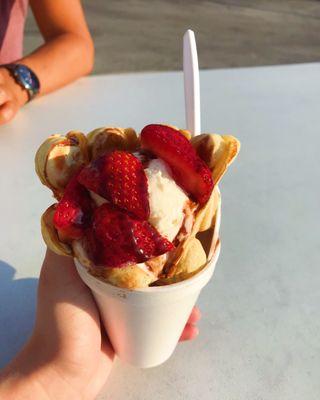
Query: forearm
61	60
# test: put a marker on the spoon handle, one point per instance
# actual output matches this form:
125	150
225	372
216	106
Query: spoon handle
191	83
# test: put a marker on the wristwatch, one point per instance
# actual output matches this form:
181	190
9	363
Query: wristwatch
25	77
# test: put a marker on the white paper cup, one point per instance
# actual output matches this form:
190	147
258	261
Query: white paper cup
144	325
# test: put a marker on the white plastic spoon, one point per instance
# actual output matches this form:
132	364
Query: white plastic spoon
193	122
191	83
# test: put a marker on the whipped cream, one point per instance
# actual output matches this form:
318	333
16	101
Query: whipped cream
166	199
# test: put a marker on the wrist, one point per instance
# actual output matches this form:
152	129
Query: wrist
20	94
28	377
16	385
25	81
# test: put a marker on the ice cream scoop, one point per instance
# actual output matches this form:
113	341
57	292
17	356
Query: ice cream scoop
167	200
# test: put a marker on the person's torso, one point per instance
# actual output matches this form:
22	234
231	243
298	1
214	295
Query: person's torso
12	18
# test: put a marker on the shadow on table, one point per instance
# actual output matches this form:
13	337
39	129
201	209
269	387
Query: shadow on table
17	311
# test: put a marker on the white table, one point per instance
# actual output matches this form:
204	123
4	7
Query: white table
260	332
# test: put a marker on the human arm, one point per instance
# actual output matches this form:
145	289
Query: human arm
67	53
68	355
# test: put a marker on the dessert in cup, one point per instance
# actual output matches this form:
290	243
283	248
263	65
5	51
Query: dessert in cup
135	210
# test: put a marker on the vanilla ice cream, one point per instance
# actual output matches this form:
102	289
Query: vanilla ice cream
166	199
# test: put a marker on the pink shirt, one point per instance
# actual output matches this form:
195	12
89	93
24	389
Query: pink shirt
12	18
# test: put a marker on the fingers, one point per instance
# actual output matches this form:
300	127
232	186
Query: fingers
106	347
8	106
190	332
59	273
3	95
194	316
7	112
105	362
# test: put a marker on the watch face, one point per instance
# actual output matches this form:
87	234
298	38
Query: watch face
27	78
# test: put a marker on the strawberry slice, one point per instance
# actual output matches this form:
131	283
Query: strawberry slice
73	212
115	239
188	169
119	177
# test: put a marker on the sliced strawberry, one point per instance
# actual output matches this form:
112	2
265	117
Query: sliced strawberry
119	177
73	212
115	239
188	169
148	241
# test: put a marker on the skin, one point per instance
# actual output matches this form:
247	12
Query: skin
67	53
68	355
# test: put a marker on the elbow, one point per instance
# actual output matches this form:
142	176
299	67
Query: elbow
89	53
84	55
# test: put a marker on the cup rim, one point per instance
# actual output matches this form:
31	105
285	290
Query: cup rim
158	289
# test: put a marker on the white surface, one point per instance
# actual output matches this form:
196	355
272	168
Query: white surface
260	331
144	325
191	83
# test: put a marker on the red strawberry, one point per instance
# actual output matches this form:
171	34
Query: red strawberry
115	239
119	177
188	169
72	214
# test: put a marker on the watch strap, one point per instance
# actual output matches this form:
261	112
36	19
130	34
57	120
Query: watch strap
32	91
